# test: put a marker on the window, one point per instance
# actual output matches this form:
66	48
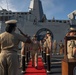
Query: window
75	17
17	13
22	13
13	13
60	21
6	13
10	13
64	21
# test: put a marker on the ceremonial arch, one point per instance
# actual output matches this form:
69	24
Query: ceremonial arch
42	32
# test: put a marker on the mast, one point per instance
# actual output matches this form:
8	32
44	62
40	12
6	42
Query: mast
36	9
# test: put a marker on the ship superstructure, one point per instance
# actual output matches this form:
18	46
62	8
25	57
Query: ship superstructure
35	22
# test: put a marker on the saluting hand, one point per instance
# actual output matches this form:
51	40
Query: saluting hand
28	40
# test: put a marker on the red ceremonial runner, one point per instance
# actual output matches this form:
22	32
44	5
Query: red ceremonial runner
33	71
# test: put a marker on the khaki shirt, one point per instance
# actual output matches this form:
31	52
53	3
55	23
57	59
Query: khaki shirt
54	45
10	41
70	49
48	41
27	47
35	45
45	44
41	44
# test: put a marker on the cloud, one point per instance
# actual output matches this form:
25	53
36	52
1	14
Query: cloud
50	7
6	4
15	5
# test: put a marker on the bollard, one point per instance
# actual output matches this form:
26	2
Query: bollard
23	64
48	60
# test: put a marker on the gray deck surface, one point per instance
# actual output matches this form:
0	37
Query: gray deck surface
55	65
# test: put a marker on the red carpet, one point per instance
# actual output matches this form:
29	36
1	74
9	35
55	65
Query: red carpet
33	71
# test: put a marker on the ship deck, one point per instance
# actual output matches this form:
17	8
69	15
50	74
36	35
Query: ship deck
55	68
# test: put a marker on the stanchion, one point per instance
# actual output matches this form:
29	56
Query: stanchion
48	60
23	64
42	53
23	60
29	54
44	56
27	59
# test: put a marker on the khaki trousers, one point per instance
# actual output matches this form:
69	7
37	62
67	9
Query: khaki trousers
35	59
9	63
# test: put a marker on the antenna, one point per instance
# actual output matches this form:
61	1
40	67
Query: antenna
7	5
1	7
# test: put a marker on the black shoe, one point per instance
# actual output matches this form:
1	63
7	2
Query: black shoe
23	72
32	65
36	67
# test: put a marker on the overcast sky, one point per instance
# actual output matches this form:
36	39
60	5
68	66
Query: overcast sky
52	8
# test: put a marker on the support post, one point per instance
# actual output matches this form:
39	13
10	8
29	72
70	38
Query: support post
48	60
27	59
42	53
23	64
44	56
29	54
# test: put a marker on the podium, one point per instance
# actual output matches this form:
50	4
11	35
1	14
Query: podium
68	64
69	67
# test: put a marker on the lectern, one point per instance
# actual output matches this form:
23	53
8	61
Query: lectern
69	61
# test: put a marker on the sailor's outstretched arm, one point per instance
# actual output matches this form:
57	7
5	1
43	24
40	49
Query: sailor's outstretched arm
22	33
28	38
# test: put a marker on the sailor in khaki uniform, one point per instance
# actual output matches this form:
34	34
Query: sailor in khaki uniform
27	49
44	44
54	47
41	46
35	48
71	45
9	41
61	47
49	41
48	50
